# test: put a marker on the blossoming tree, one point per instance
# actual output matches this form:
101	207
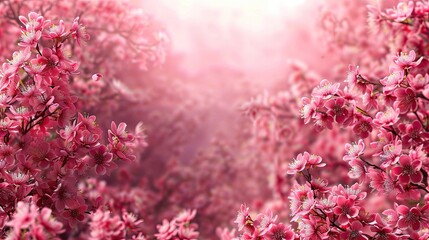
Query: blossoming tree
388	195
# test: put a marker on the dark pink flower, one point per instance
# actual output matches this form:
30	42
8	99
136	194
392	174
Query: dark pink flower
381	182
406	100
354	232
101	159
73	215
34	22
363	127
413	134
345	210
408	170
409	218
279	232
336	108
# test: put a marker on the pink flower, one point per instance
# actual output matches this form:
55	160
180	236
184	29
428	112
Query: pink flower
357	170
363	127
243	218
298	164
185	216
301	201
30	38
304	160
406	100
24	216
79	32
387	118
413	134
391	216
345	210
354	79
409	217
279	232
390	153
325	89
323	121
314	228
383	232
51	225
408	170
354	232
65	195
101	159
75	214
96	77
119	133
189	233
337	109
56	31
19	57
407	60
381	182
308	110
166	231
34	22
354	150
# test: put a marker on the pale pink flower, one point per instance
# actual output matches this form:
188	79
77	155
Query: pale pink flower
325	89
407	60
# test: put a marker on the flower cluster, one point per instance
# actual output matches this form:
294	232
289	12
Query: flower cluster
262	227
179	227
383	116
47	146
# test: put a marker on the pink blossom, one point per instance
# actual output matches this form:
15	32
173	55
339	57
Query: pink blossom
314	228
363	127
408	170
34	22
407	60
406	100
79	32
387	118
413	133
166	231
354	150
391	82
337	109
381	182
279	232
357	170
325	89
354	232
56	31
409	217
243	218
101	159
345	210
402	11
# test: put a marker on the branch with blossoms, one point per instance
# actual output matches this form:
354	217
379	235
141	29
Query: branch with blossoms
388	117
47	147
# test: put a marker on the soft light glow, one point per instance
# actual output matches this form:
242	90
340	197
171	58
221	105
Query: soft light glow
234	32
